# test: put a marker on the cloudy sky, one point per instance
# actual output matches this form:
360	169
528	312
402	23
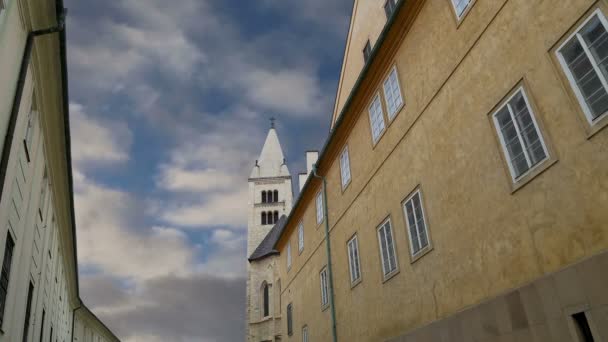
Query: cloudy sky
170	102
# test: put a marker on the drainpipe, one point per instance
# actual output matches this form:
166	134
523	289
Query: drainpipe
27	55
328	245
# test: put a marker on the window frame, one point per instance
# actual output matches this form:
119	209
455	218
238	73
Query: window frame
288	252
460	17
592	125
346	153
289	319
265	300
391	116
319	205
391	8
375	140
414	256
367	51
324	282
300	237
355	241
386	276
305	333
518	180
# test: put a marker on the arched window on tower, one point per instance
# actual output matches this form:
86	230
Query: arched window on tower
270	197
265	300
264	198
276	216
276	195
264	221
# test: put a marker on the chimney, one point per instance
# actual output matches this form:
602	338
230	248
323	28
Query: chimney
311	159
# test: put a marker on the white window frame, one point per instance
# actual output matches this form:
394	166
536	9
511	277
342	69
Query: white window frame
384	244
324	287
288	255
354	261
345	174
376	135
564	65
319	206
519	136
300	237
305	333
392	5
464	10
367	51
388	94
416	219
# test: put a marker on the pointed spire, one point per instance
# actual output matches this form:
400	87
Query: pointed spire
271	162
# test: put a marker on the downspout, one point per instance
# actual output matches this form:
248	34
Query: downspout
328	248
27	55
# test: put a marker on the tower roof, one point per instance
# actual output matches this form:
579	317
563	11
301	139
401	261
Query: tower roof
271	162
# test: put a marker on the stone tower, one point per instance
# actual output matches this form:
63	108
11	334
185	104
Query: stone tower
270	198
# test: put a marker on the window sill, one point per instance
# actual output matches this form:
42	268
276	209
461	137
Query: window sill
390	276
345	186
426	250
597	126
377	141
355	283
396	114
532	174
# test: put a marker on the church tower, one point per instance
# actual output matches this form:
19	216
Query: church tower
270	198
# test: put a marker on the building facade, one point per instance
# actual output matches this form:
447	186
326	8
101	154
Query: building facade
461	193
39	278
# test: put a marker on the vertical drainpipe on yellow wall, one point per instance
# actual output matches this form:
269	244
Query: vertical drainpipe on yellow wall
328	245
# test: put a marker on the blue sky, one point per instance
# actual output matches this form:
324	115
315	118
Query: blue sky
170	102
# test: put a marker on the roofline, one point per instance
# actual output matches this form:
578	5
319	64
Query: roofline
84	306
347	104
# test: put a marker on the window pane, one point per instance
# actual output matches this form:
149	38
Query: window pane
511	141
528	129
420	224
319	208
391	249
383	250
376	118
345	167
411	220
460	6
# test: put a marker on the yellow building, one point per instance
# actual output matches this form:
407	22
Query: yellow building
466	179
39	292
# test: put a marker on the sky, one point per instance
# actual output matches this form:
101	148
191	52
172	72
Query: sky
170	103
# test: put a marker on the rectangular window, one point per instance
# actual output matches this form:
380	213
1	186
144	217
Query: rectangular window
353	260
367	52
300	237
319	207
42	325
389	8
460	6
519	134
324	287
392	94
288	256
584	57
43	189
583	330
387	248
376	118
289	320
305	334
28	312
416	223
6	272
345	167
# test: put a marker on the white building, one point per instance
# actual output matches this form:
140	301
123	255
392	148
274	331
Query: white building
39	277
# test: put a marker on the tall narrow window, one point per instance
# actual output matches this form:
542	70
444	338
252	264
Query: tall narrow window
319	205
584	58
460	6
51	336
276	195
416	223
387	248
324	287
300	237
43	189
376	118
305	333
289	320
367	51
264	197
392	94
1	6
288	256
353	260
264	218
29	132
520	136
345	167
389	8
28	312
266	299
583	330
276	217
42	325
6	272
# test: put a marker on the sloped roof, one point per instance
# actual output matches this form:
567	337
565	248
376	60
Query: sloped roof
266	247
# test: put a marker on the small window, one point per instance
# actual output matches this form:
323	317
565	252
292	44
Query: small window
324	288
460	6
520	136
288	256
353	260
392	94
387	248
376	118
28	312
276	217
319	203
416	223
276	196
305	333
345	167
264	197
264	218
584	58
301	237
367	52
583	330
266	299
29	133
43	189
389	8
289	320
6	272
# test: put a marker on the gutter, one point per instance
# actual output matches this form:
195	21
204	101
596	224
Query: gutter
328	250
